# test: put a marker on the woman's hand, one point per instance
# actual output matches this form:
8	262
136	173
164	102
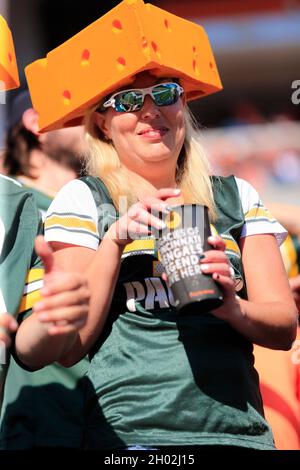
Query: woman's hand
138	221
216	263
65	295
8	325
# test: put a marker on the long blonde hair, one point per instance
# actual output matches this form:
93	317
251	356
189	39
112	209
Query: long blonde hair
192	172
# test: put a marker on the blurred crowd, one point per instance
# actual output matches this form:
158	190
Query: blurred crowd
263	150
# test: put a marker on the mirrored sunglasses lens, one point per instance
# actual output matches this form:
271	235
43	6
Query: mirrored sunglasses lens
165	95
128	101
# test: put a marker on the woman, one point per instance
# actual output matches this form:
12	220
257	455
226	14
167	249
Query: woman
157	379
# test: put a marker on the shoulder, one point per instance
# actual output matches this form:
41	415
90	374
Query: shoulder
6	180
258	219
224	183
72	216
74	195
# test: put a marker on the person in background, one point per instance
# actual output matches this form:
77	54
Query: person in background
41	162
42	408
20	224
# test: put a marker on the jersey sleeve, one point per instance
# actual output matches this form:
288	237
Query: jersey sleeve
72	217
258	219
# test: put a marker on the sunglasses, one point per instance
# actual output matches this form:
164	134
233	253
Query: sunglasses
126	101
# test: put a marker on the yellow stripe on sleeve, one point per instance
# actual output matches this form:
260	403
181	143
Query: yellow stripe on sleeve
257	212
140	245
71	222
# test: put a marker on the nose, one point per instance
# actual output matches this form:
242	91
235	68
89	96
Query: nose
149	109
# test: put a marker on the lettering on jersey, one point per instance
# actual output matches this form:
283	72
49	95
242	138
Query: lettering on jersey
151	293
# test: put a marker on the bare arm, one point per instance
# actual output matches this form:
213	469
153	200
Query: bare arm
269	317
65	294
101	269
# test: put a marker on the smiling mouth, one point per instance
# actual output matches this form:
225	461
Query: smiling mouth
154	132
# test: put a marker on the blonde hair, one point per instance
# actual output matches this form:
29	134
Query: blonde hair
192	173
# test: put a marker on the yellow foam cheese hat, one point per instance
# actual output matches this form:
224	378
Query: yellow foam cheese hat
106	55
9	77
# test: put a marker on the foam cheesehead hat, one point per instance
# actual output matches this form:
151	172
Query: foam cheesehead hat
9	77
107	54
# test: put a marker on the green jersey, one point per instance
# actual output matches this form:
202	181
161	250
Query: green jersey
45	407
158	378
19	225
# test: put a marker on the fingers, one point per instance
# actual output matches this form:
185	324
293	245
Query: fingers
141	215
166	193
64	315
63	282
227	284
216	261
8	322
217	243
155	205
4	338
45	253
57	329
65	303
219	268
139	219
49	309
7	325
213	256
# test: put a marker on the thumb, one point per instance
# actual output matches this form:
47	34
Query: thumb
44	251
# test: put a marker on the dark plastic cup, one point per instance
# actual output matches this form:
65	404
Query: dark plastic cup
180	245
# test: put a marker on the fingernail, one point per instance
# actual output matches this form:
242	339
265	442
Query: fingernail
204	267
166	209
201	257
161	224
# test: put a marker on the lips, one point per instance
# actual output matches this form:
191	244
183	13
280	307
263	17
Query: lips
153	131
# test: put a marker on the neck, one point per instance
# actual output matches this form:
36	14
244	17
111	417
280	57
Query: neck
146	186
154	176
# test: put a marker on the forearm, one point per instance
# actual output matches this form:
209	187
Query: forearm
270	324
36	348
102	274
